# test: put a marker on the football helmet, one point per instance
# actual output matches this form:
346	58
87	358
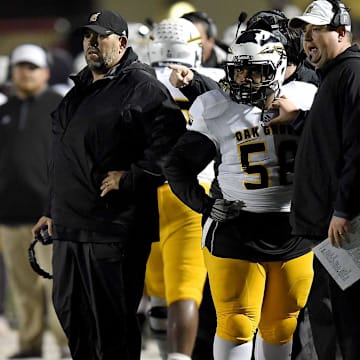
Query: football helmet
175	41
255	67
276	22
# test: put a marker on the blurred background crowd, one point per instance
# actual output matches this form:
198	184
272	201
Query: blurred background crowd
52	24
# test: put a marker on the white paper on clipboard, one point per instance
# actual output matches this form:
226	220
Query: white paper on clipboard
343	264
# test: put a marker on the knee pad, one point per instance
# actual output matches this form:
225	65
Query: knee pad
236	328
157	316
278	332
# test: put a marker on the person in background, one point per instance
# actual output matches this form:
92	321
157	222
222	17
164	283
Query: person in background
25	131
213	55
110	134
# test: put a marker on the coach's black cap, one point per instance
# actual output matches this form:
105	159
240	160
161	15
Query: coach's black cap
106	22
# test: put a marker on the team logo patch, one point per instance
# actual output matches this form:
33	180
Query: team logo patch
309	9
94	17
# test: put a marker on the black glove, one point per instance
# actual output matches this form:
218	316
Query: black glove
223	210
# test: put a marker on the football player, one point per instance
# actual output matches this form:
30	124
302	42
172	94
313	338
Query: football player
260	276
176	271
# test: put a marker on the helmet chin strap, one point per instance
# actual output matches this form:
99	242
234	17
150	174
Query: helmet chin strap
246	95
261	97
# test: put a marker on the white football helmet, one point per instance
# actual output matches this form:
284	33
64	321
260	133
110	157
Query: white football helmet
260	52
175	41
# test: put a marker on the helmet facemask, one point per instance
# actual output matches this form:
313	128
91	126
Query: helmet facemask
257	81
259	60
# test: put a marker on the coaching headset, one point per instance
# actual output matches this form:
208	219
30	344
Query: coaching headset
341	14
200	16
276	22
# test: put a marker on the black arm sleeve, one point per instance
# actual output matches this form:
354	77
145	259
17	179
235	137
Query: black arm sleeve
199	85
187	159
161	123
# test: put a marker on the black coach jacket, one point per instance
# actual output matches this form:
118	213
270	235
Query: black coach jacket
125	121
327	164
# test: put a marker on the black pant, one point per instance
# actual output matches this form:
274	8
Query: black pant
320	321
98	283
338	323
346	312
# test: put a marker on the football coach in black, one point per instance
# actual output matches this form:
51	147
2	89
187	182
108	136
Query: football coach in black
110	134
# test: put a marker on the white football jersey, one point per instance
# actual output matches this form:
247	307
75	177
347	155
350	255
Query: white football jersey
257	162
163	74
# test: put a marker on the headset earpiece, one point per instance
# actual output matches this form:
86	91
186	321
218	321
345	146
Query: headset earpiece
200	16
341	14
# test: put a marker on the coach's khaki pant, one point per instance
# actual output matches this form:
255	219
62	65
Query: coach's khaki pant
31	293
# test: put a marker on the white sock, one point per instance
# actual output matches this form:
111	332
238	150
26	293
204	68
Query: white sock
178	356
267	351
228	350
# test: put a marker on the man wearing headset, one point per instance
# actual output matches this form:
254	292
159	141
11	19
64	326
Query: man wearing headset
327	171
213	55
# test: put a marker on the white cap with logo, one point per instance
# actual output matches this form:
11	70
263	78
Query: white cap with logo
321	12
29	53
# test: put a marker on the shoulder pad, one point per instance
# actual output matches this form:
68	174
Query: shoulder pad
215	103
